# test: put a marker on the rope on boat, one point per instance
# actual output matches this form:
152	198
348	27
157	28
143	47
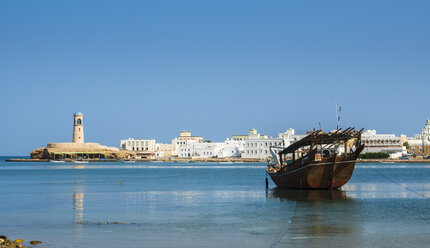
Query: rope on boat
401	185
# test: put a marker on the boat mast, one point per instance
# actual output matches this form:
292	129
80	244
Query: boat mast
338	109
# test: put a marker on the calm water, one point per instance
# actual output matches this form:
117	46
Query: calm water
210	205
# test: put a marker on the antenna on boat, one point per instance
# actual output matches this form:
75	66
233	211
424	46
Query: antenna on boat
319	123
338	109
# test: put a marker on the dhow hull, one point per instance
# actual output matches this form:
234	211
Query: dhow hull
325	175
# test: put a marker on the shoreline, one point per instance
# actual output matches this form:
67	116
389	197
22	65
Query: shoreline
167	160
396	161
219	160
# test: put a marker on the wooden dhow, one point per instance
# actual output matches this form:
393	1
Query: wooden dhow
318	161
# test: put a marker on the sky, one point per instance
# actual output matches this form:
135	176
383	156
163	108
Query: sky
149	69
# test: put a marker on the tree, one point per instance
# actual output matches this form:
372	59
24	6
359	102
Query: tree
374	155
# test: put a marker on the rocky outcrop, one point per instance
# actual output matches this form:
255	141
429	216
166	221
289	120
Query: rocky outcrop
7	243
109	152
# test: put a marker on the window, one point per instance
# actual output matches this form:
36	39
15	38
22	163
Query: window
79	122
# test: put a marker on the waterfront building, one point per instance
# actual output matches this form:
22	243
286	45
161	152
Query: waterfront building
227	149
77	149
78	127
232	148
419	144
258	146
200	150
186	135
148	148
130	144
388	143
289	137
184	139
165	150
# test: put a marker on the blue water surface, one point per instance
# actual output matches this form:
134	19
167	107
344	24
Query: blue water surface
209	205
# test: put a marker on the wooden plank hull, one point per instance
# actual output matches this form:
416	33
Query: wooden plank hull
326	174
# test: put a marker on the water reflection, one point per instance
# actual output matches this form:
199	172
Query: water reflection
386	190
78	206
308	195
321	218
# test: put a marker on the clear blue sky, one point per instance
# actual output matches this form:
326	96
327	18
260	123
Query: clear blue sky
148	69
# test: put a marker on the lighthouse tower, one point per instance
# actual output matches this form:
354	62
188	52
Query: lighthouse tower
78	128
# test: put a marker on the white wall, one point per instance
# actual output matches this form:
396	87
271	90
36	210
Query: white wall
259	148
137	145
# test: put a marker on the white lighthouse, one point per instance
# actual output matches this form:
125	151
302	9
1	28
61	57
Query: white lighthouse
78	127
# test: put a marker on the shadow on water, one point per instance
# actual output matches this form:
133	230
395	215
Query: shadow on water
309	195
322	218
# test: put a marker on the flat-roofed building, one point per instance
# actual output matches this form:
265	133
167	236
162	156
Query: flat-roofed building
227	149
138	145
258	146
388	143
419	144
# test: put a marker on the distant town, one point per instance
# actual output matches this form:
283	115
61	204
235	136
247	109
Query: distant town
252	146
257	146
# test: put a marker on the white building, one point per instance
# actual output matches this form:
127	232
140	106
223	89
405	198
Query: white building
200	150
185	139
290	137
232	148
419	144
258	146
165	150
226	149
389	143
138	145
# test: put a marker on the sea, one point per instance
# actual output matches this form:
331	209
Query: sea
156	204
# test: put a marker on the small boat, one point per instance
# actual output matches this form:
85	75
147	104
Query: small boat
57	161
81	161
317	161
128	161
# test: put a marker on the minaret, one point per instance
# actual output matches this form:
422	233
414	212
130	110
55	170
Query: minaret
78	128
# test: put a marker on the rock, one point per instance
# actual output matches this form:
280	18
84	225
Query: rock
6	243
35	242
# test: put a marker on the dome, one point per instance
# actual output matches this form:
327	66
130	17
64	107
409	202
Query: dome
78	113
